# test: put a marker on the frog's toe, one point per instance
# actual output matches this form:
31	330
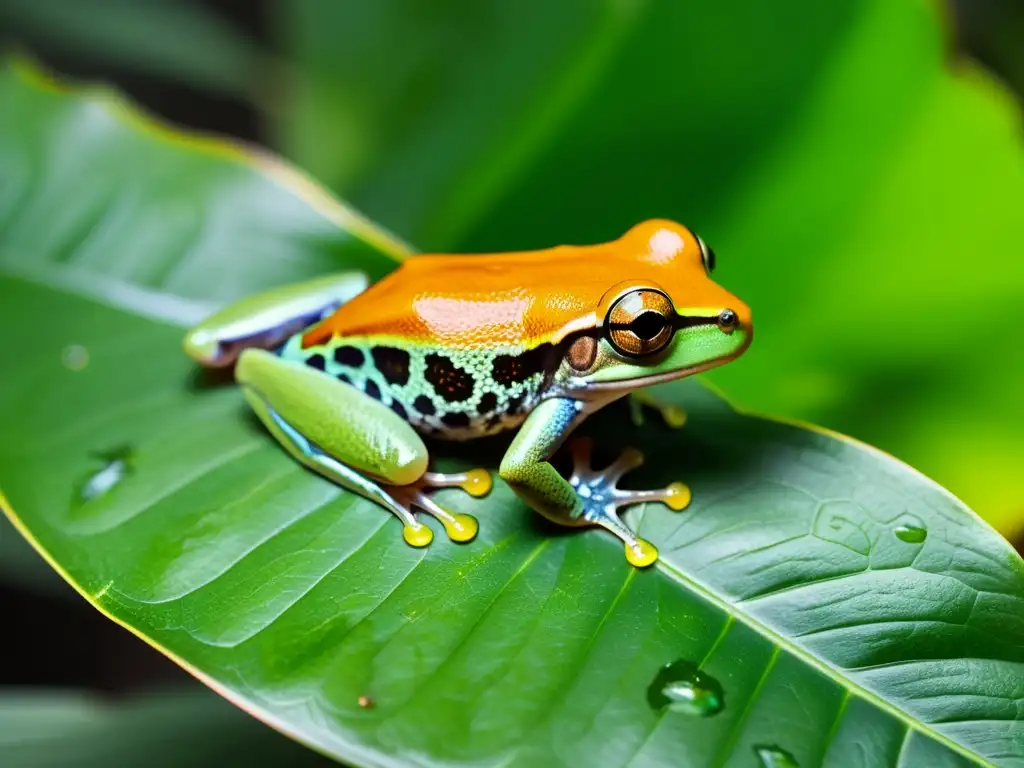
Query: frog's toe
416	496
673	416
416	534
602	499
628	460
459	527
590	480
675	496
641	553
475	482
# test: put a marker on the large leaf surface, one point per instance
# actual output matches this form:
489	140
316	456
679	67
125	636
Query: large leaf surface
850	611
862	194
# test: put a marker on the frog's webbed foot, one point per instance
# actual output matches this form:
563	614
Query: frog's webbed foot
602	498
673	416
459	527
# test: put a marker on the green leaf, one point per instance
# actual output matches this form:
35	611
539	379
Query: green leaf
818	599
167	38
861	194
173	728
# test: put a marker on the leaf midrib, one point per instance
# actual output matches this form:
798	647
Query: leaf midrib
831	671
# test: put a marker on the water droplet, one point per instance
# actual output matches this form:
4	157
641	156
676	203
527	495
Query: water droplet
682	687
74	357
115	466
366	702
912	534
774	757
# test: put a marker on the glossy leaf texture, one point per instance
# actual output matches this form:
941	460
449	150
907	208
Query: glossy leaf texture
860	185
818	600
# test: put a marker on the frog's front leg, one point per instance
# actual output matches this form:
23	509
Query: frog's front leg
588	497
355	441
266	320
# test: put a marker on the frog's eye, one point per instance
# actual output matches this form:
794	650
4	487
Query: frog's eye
708	255
640	323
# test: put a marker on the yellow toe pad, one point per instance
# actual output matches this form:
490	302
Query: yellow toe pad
642	554
417	535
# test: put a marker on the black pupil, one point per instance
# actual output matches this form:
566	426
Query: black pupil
647	325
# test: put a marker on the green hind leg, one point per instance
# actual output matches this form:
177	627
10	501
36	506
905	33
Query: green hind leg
267	320
354	441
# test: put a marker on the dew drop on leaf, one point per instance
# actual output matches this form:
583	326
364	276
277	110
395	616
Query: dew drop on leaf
774	757
912	534
115	465
682	687
74	357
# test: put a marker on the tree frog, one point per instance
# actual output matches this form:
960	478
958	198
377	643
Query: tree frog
349	377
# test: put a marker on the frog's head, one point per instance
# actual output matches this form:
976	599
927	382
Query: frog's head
666	321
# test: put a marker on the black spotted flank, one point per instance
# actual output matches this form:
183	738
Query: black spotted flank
349	356
424	405
488	402
514	404
372	389
393	363
317	361
455	419
452	383
344	378
398	408
513	369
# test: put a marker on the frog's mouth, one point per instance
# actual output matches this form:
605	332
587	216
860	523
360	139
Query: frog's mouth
656	378
612	386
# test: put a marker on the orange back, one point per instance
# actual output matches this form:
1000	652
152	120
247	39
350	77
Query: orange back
526	298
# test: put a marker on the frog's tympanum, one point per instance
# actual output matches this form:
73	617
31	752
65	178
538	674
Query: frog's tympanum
348	376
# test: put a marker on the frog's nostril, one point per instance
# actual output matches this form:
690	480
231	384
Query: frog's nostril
728	320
